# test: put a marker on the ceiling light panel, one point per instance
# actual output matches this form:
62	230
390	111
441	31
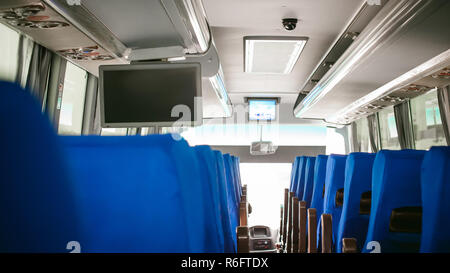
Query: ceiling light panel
272	55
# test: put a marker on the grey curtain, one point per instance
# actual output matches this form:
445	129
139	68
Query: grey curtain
38	75
404	126
97	125
444	108
373	132
354	143
25	52
90	107
55	89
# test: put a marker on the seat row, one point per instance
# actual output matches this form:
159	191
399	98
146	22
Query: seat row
391	201
110	194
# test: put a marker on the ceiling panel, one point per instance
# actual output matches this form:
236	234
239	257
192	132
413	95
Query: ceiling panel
322	21
137	23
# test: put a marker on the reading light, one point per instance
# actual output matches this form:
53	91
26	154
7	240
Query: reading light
272	55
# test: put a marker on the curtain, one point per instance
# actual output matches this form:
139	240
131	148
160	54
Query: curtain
55	87
97	124
354	143
25	52
373	132
404	126
444	109
38	75
90	107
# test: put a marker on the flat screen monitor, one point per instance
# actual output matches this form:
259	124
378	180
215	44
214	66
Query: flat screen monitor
145	95
259	232
262	109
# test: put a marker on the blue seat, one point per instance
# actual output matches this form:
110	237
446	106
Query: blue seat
395	185
300	181
229	220
358	182
138	194
294	173
236	162
309	180
435	183
320	170
233	202
37	205
334	182
210	175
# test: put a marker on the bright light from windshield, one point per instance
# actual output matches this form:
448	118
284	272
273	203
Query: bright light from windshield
266	183
244	135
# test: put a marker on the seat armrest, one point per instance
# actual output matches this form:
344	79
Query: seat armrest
302	227
327	233
349	245
243	239
312	231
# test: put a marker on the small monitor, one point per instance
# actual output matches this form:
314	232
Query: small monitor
262	109
259	232
144	95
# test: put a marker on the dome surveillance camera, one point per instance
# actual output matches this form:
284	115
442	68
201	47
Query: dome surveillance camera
289	24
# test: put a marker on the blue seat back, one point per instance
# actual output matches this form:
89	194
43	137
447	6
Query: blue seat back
300	183
309	180
139	194
293	174
229	220
210	175
435	182
236	162
334	181
233	202
37	205
358	180
395	184
320	170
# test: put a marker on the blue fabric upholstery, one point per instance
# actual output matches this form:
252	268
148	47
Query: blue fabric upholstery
395	184
233	203
300	181
37	206
236	162
297	174
229	220
210	175
358	180
435	182
138	194
294	174
309	180
334	180
320	170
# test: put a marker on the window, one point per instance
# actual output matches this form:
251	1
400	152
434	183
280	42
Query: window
9	47
114	131
72	105
362	135
388	129
266	183
335	141
243	135
426	119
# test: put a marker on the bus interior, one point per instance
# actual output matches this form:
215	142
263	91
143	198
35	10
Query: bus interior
225	126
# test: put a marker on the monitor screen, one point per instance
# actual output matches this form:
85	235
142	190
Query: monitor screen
257	232
262	109
144	95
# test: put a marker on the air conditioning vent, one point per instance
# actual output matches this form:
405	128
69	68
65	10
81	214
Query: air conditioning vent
85	54
27	17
